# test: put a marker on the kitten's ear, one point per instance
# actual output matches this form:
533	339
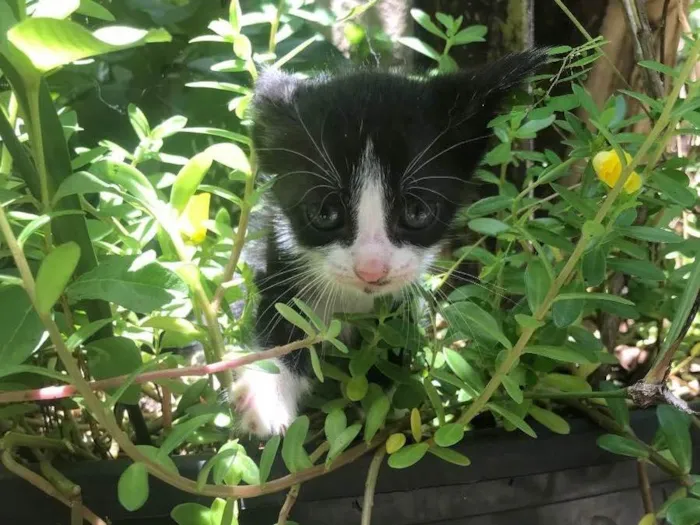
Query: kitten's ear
478	94
273	106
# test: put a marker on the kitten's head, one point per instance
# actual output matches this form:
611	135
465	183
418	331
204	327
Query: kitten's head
370	168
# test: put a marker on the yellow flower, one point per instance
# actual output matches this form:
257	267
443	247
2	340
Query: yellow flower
192	220
608	167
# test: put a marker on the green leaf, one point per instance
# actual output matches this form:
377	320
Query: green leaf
335	423
53	43
489	205
668	187
642	269
192	514
268	457
488	226
531	127
182	431
53	9
537	283
470	34
316	363
649	234
512	388
464	370
593	296
132	488
343	441
434	398
449	435
357	388
55	272
376	416
550	420
420	46
83	182
95	10
684	512
426	23
408	456
188	180
169	127
566	311
565	383
451	456
295	318
21	329
192	395
127	177
311	315
622	446
527	321
293	453
231	156
471	320
138	121
683	308
512	418
128	282
558	353
115	356
675	427
40	221
204	473
593	266
617	406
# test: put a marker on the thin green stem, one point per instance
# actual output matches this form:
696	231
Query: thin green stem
274	26
371	485
579	249
5	157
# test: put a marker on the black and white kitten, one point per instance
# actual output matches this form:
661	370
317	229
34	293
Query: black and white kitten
369	171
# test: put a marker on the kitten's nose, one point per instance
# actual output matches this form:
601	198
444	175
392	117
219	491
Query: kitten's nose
371	270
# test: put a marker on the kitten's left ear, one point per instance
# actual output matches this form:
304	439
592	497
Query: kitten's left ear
479	93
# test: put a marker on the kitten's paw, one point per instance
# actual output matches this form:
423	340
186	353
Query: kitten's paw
267	403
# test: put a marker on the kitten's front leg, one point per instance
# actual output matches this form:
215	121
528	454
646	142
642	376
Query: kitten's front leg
267	402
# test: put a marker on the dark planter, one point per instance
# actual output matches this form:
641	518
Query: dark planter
513	480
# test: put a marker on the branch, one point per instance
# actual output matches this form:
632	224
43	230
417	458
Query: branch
645	488
60	392
371	485
638	23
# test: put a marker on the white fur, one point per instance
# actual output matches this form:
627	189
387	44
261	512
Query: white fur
268	402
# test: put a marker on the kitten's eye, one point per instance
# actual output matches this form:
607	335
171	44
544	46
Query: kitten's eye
324	215
418	214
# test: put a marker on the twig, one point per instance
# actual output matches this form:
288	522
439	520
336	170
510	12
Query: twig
47	488
239	241
371	485
645	488
288	504
293	493
638	23
514	354
60	392
167	407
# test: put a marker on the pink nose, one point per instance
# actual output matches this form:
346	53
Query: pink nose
371	270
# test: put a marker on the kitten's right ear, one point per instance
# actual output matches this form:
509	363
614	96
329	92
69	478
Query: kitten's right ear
274	112
275	87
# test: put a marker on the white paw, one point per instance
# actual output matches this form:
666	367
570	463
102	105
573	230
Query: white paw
267	403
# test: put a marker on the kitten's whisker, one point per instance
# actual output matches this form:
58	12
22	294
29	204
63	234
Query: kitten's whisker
329	164
446	150
312	161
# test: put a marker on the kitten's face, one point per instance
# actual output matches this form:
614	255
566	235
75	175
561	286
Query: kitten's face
371	168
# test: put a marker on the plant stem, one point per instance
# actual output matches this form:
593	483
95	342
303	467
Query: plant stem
645	488
371	484
47	488
274	26
5	157
238	242
579	249
64	391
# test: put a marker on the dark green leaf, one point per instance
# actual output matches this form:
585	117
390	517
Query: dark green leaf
55	272
642	269
450	456
472	320
617	406
295	318
449	435
537	283
549	419
182	431
675	427
512	418
126	281
268	457
21	329
408	456
558	353
376	416
343	441
114	356
623	446
650	234
293	453
684	512
336	422
488	226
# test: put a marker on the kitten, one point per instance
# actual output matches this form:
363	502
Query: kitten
369	171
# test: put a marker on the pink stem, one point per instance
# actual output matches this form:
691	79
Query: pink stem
60	392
